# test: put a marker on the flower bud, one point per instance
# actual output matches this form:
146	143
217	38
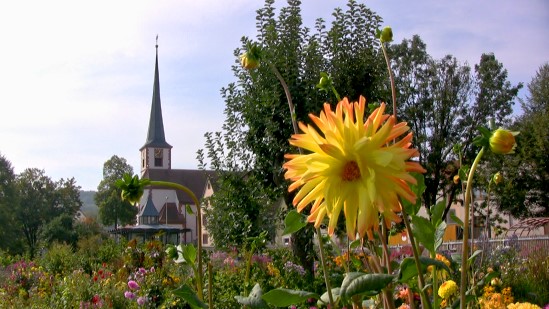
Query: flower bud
498	178
503	141
456	179
386	35
248	61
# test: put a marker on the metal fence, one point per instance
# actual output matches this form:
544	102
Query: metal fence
523	245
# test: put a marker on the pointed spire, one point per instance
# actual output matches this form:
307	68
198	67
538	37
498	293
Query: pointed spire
155	135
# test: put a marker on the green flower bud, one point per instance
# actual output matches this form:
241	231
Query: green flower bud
386	35
498	178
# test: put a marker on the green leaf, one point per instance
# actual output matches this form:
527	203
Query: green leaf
187	294
463	173
418	189
189	209
189	253
356	283
254	300
285	297
439	234
456	219
409	271
294	222
424	231
437	211
325	299
473	256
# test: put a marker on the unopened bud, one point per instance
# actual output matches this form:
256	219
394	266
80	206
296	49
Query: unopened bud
386	35
456	179
248	61
498	178
503	141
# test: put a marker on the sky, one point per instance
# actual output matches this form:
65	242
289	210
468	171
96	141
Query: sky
76	77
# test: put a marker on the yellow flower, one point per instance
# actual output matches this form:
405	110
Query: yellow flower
447	289
503	141
354	164
441	273
523	306
249	62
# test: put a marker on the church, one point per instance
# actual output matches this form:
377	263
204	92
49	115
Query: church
161	211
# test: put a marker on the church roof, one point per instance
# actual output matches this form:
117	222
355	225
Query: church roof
195	180
149	210
173	214
155	136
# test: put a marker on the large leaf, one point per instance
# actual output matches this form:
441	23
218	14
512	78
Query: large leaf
189	253
187	294
294	222
424	231
325	299
456	219
418	188
356	283
254	300
408	269
439	234
285	297
437	211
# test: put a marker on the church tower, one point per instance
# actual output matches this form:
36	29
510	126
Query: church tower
156	153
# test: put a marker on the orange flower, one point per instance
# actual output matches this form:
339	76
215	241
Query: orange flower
357	165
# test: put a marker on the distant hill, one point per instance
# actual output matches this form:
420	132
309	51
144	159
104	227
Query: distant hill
88	204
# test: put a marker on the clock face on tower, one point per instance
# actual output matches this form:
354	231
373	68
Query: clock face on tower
158	152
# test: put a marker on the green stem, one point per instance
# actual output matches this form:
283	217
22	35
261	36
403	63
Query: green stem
288	96
210	285
420	280
199	283
391	77
323	263
465	246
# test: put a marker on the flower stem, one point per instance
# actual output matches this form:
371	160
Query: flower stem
420	279
323	263
173	185
391	77
288	96
465	246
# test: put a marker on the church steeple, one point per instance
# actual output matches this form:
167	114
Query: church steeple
156	153
155	135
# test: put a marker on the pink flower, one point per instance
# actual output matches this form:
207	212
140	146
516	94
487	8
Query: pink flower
133	285
141	300
129	295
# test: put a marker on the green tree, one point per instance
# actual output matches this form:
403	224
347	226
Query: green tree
41	200
112	210
60	229
444	103
526	174
258	122
9	238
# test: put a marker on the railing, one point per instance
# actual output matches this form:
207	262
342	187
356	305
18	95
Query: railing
524	245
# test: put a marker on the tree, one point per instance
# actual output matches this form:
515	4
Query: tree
41	200
9	239
524	193
112	210
60	229
250	151
444	103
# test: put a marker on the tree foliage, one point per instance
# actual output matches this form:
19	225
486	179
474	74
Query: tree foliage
112	210
444	103
9	239
40	201
526	174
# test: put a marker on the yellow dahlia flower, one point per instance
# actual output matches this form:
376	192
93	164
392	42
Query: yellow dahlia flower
355	164
447	289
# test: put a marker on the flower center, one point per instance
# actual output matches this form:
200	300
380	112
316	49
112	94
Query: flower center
350	171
